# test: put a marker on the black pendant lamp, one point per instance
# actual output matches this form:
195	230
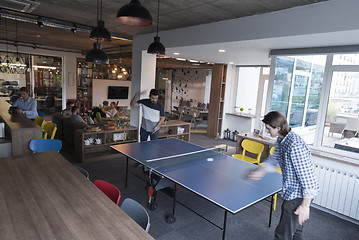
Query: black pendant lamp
156	47
96	55
100	33
134	14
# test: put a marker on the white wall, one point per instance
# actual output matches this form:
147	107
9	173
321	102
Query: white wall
143	78
247	89
207	93
100	90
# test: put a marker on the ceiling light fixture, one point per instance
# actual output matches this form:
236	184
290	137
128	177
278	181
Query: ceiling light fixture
134	14
44	67
176	53
100	33
221	50
96	55
74	29
40	23
156	47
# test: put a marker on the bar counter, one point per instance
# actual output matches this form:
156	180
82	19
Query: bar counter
19	129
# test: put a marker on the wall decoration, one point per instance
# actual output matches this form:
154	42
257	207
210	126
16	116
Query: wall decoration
188	84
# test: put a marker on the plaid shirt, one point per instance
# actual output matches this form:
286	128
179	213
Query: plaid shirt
293	157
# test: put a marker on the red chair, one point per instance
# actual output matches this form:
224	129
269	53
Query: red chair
110	190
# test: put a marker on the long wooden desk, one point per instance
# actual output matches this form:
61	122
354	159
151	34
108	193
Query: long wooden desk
19	129
268	143
42	196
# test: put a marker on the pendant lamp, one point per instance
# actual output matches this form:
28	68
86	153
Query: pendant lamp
100	33
96	55
134	14
156	47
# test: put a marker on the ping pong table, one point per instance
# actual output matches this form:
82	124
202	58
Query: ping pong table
219	178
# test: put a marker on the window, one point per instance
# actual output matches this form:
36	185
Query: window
282	84
301	93
296	91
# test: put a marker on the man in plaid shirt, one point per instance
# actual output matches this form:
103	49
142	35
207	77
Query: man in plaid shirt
299	183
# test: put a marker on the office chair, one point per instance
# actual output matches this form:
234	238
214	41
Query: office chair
49	130
39	121
111	191
45	145
137	212
252	147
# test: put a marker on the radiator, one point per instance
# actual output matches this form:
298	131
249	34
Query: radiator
339	191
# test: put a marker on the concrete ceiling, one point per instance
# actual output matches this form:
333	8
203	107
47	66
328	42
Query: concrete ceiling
173	14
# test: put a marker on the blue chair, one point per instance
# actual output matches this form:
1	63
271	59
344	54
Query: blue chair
45	145
41	114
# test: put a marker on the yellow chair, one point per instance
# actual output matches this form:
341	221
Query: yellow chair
271	150
278	170
49	130
98	118
39	121
252	147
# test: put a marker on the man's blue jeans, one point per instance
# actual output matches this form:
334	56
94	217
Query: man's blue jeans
144	135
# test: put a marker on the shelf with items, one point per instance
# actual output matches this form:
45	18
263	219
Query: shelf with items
90	146
175	128
86	72
218	88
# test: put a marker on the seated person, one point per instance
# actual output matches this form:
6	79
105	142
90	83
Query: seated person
67	112
112	111
105	103
26	104
76	117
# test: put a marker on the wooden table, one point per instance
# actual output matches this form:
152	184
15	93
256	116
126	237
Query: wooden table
42	196
268	142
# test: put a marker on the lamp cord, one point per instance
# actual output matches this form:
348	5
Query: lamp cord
17	44
101	11
97	10
158	16
7	49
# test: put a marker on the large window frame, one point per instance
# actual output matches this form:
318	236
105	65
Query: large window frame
323	104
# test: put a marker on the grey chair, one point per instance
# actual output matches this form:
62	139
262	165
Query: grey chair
83	172
137	212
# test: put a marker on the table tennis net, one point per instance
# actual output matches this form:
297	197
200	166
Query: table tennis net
206	154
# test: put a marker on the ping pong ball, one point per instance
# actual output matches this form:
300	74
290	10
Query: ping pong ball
209	159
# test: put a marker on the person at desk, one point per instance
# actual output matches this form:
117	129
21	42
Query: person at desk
153	114
67	112
112	111
299	183
26	104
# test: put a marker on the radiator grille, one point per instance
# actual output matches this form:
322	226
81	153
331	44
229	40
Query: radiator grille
339	191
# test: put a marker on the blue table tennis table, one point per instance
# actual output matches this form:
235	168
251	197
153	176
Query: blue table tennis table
219	178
